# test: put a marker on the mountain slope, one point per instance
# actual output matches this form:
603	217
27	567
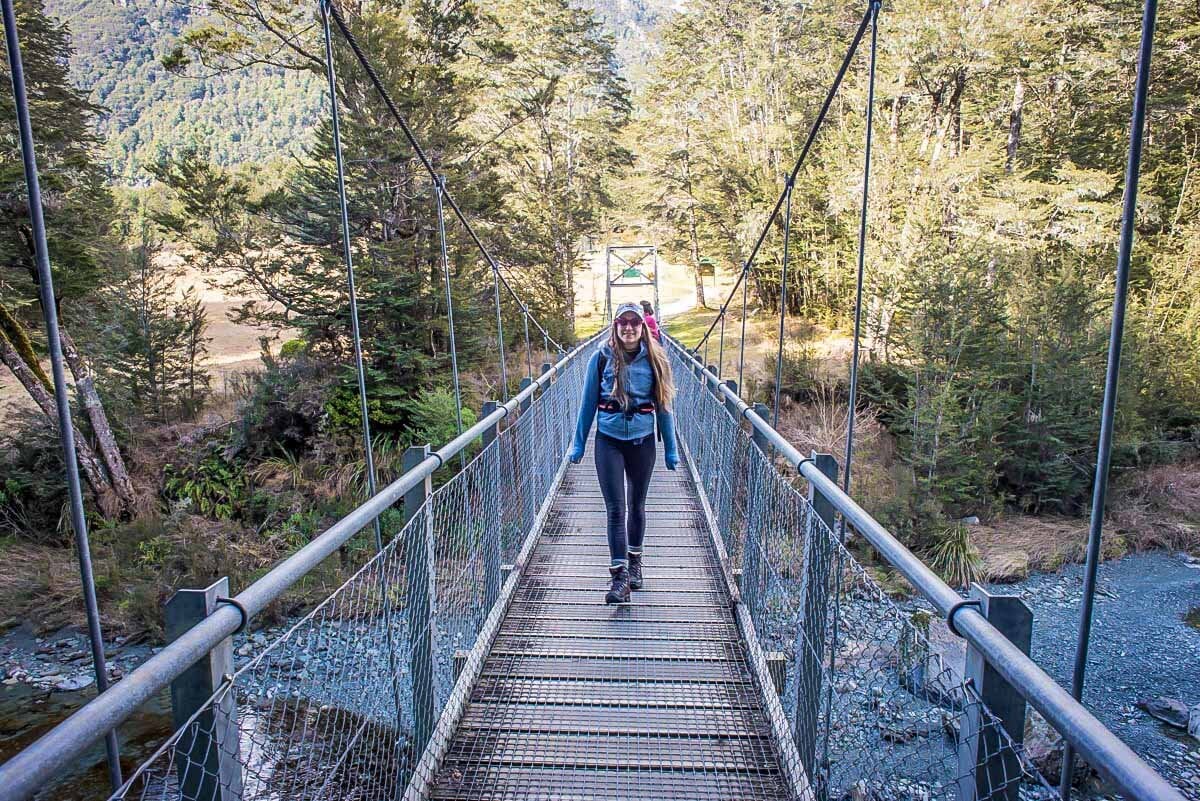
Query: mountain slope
253	115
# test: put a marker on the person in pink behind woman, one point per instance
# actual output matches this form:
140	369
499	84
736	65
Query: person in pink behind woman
651	323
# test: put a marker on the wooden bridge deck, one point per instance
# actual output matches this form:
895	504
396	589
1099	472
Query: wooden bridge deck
581	700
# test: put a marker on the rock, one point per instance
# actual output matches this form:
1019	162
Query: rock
1008	567
971	520
1171	711
1194	722
74	683
1044	747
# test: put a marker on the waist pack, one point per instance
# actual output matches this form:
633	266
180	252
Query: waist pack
610	405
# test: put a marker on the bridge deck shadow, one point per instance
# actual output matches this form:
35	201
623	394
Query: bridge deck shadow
582	700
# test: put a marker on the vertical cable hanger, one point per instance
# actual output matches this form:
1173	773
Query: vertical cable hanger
783	287
721	350
862	255
873	16
348	255
66	427
1137	128
528	349
742	344
439	189
500	334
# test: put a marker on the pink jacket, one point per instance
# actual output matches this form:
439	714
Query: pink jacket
652	324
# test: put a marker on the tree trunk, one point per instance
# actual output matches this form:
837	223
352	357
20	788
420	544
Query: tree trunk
85	385
93	473
1014	124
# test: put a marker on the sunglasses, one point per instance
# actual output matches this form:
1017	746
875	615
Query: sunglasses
628	322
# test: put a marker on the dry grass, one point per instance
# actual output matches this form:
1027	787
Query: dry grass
1159	507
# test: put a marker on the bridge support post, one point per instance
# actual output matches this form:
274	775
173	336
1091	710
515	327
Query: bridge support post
206	758
492	552
814	595
730	403
525	382
759	438
714	385
986	765
419	596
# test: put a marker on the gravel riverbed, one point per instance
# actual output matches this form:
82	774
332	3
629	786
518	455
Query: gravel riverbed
1141	648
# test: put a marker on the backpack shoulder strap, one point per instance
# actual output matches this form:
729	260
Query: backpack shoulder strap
601	363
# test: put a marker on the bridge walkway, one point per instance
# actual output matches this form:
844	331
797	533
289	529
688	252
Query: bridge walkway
580	700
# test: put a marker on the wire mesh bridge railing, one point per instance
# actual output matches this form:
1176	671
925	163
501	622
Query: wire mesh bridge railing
344	703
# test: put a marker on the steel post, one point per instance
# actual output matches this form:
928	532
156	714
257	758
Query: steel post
987	765
731	405
528	399
814	598
420	597
759	437
207	759
492	554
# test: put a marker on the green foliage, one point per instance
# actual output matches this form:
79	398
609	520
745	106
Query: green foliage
995	196
71	177
211	486
432	417
125	62
33	495
155	341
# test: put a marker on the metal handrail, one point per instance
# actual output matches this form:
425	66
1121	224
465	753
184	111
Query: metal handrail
1102	749
26	772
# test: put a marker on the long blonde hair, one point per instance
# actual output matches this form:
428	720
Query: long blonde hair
664	382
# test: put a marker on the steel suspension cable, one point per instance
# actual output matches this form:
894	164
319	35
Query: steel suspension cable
356	334
439	191
804	151
1137	128
377	82
66	427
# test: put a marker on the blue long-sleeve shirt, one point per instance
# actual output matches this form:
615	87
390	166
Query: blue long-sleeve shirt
639	387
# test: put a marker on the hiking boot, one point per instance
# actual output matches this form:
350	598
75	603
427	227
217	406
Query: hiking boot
635	571
619	592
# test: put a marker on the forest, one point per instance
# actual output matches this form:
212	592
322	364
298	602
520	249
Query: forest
1000	140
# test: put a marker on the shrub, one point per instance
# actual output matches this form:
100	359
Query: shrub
213	486
955	557
33	493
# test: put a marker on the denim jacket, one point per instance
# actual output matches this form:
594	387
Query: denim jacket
639	387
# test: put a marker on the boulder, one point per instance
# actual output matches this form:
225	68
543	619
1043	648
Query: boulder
1194	722
1044	747
1170	711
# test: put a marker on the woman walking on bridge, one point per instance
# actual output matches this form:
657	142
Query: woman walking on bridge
629	382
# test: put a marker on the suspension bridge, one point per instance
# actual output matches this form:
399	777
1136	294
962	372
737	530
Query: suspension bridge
473	657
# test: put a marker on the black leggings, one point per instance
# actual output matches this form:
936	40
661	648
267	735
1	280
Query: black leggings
621	463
